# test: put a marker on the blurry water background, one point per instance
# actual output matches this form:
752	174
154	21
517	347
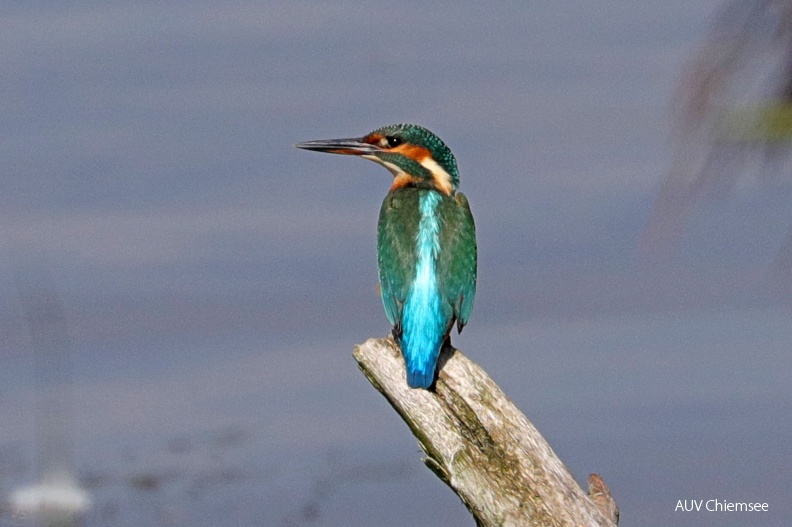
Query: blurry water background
213	279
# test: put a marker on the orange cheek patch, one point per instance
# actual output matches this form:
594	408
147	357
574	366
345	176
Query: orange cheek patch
414	152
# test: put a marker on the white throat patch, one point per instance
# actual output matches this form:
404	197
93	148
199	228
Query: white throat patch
442	178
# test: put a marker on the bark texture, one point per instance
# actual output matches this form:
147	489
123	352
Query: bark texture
480	444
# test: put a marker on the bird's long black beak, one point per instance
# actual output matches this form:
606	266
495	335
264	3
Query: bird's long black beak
351	147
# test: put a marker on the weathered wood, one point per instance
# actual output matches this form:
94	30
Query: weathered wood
600	495
480	444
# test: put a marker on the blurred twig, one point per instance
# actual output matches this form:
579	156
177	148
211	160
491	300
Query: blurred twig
732	112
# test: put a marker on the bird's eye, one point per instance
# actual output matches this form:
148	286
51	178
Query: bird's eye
393	141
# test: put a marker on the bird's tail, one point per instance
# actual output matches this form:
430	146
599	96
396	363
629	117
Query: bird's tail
420	378
420	360
424	327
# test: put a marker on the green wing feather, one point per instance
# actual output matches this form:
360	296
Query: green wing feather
396	254
396	251
457	264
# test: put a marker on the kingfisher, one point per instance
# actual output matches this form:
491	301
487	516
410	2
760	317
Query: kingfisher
426	241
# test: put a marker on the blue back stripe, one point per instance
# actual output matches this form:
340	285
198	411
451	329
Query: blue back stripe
423	323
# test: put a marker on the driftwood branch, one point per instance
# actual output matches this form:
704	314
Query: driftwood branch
483	447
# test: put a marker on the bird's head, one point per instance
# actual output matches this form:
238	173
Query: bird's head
414	155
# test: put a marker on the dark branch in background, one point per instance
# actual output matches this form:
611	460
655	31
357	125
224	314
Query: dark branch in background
732	119
483	447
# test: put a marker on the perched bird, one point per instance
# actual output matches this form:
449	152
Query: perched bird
426	241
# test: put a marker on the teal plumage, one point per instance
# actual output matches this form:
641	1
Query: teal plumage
421	308
426	242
